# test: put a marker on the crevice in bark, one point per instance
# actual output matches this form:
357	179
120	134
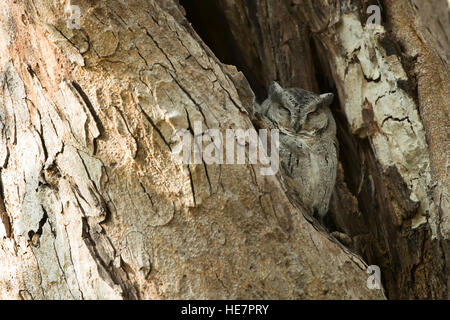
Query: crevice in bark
158	131
209	21
3	214
89	105
107	269
94	114
323	72
33	236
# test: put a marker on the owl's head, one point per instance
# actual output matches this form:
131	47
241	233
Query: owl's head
296	110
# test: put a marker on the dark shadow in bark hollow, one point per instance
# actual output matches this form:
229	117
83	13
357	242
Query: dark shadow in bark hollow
212	26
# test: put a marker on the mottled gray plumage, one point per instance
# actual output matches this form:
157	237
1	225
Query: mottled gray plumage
308	145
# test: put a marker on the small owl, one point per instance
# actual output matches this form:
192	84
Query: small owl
308	144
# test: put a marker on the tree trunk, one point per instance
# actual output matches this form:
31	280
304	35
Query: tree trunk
93	205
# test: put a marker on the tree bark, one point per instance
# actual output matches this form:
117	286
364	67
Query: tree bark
93	207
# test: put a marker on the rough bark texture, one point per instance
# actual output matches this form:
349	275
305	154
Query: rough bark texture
94	207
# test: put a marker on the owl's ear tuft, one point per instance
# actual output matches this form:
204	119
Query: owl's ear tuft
327	99
275	90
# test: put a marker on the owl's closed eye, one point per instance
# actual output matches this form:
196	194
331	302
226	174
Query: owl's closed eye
279	115
315	121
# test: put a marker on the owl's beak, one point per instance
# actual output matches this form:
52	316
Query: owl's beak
327	98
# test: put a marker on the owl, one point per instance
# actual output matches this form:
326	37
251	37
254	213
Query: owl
308	144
